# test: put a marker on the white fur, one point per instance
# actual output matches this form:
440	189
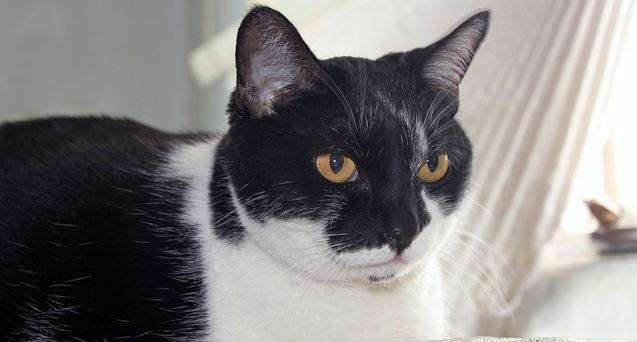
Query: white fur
282	282
193	164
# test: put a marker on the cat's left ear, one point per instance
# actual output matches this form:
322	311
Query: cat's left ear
274	65
447	60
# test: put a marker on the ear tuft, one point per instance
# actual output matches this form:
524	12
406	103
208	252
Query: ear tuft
451	56
273	62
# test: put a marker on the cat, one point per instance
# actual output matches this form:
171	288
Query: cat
319	215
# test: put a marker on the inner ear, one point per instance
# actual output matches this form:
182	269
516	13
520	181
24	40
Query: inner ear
274	65
450	57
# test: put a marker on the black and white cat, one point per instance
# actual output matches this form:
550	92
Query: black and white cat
320	214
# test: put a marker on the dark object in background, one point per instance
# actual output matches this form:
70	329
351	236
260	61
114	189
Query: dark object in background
612	236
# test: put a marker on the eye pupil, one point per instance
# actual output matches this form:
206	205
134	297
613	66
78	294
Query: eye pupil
336	162
432	163
434	168
336	168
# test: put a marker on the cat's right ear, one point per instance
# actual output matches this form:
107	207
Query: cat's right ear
274	65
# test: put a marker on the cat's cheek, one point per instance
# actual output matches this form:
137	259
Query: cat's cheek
294	244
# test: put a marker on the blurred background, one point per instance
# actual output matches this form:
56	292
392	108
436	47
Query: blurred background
550	102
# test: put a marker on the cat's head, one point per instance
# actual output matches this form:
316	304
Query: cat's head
347	169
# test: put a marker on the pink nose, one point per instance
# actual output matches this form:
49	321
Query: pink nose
398	258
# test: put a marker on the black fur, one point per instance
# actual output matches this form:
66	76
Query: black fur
90	244
356	107
225	219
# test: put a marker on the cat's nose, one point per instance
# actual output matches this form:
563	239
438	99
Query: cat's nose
401	237
401	226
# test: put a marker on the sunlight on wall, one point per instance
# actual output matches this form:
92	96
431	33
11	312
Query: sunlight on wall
608	169
622	110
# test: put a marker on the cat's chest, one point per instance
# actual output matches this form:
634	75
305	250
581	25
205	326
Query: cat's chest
257	299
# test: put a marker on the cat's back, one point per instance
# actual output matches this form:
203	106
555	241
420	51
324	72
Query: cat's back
58	154
46	140
90	237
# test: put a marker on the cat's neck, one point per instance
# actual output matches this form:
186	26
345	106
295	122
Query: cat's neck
252	295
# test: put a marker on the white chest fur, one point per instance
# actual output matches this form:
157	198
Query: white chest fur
256	298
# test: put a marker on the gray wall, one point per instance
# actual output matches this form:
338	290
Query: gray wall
125	58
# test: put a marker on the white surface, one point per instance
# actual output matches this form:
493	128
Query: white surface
595	300
515	339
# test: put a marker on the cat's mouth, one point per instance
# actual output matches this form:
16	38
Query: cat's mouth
378	279
381	272
396	260
378	265
375	259
388	272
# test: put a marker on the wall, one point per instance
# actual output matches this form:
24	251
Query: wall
116	57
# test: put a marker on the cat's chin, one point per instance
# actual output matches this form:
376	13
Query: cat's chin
298	245
394	272
386	274
382	265
372	278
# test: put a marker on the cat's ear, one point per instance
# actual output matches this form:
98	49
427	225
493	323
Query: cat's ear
274	65
446	63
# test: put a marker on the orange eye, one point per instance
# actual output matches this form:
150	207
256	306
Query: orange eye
435	168
336	168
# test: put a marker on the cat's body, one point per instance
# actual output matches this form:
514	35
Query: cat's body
110	230
137	198
86	214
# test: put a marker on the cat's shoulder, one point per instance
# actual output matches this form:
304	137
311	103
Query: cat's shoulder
95	127
76	150
71	124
